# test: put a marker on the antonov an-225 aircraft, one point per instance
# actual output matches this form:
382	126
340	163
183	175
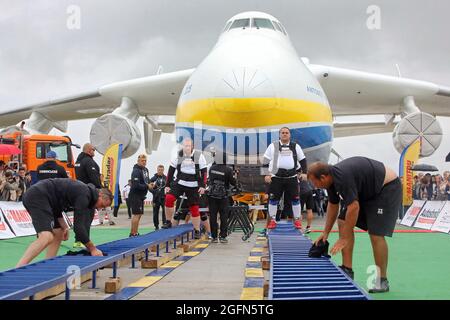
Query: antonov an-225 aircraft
251	84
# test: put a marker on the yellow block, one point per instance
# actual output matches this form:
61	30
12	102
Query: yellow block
261	242
254	259
172	264
261	239
191	254
202	245
254	273
252	294
257	250
145	282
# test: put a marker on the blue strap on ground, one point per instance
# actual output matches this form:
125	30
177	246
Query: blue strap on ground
26	281
295	276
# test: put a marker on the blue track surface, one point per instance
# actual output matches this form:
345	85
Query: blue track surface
295	276
26	281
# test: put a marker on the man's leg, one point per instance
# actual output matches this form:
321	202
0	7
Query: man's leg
128	207
53	247
135	223
275	193
163	209
213	209
169	208
43	241
224	218
380	254
347	252
156	206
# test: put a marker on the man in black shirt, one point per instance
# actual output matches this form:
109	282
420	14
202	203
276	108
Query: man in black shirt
220	179
370	194
140	185
50	169
157	184
46	200
87	171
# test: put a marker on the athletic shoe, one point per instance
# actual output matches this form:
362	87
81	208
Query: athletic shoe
297	224
79	245
308	230
167	225
348	271
214	240
156	228
134	235
223	240
197	234
112	223
383	287
272	224
209	236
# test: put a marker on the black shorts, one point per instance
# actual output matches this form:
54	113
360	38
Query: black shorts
379	215
287	185
192	194
136	204
43	217
307	200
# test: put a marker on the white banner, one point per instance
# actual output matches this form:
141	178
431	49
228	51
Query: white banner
412	213
18	218
68	216
442	223
5	231
429	214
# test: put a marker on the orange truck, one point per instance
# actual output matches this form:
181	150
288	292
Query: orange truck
34	148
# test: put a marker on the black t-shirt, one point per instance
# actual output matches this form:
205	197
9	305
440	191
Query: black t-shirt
356	178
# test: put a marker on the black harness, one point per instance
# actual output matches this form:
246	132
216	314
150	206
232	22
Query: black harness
186	176
285	173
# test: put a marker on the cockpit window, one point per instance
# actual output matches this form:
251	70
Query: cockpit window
240	23
262	23
282	28
277	26
227	26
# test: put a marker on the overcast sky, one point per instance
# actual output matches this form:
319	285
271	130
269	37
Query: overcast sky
118	40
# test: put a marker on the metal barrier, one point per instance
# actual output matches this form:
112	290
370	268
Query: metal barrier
295	276
239	220
26	281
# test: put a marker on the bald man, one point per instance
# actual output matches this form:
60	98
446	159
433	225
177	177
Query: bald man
370	195
87	171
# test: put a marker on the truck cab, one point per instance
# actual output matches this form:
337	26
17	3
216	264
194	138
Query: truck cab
34	149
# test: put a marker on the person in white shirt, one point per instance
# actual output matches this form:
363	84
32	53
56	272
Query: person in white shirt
190	166
286	163
125	193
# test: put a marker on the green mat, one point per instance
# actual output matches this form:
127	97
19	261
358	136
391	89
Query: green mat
418	262
12	250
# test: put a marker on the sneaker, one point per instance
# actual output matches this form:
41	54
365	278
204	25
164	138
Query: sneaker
272	224
214	240
209	236
308	230
383	287
156	228
79	245
134	235
197	234
297	224
112	223
223	240
167	225
348	271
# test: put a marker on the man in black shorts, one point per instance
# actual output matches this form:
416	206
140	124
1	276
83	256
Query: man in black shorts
307	202
46	200
190	166
370	194
140	185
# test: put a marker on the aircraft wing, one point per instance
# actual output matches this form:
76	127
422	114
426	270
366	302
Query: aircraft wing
352	92
347	129
157	93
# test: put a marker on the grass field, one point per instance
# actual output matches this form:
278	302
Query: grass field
419	263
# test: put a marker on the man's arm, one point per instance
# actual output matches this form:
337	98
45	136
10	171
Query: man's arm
89	166
136	181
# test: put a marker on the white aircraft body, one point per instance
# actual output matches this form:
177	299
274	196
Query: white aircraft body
251	84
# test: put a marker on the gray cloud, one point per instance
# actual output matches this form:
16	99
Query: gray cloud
41	58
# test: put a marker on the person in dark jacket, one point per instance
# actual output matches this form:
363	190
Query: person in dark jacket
46	200
87	171
50	169
158	183
140	185
220	179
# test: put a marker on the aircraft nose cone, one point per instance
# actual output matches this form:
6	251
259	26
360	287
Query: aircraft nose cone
244	82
